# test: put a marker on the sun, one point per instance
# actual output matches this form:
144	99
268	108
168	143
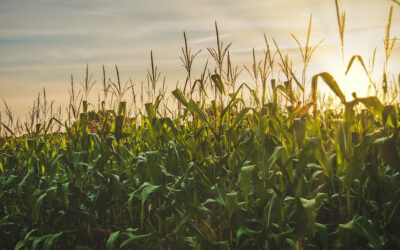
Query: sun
355	81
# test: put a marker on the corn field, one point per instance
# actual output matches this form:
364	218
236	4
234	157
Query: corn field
213	164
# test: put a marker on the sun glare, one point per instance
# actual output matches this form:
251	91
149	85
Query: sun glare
356	81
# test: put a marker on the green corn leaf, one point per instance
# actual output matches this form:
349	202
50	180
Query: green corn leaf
296	80
169	123
38	205
271	206
51	240
245	178
180	97
19	245
231	104
332	84
218	196
147	190
151	113
27	237
240	117
274	157
361	226
373	104
193	107
255	97
54	161
231	201
218	83
112	240
323	234
38	240
314	148
96	140
389	113
306	217
314	87
359	58
284	236
202	87
244	231
157	102
50	122
182	222
288	95
8	129
122	108
299	127
133	238
83	121
222	245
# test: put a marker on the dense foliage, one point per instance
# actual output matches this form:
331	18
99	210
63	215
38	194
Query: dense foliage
233	178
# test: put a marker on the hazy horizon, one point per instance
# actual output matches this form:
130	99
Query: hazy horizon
43	42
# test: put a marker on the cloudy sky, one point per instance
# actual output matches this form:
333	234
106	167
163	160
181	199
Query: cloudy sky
42	41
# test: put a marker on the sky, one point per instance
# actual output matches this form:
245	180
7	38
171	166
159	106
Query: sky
43	42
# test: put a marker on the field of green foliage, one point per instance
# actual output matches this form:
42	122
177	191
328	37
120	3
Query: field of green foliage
217	165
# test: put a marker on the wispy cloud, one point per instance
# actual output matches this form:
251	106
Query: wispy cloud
23	32
209	38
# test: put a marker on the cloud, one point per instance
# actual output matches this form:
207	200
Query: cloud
13	33
209	38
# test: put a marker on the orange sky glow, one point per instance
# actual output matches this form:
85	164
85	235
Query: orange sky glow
42	42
